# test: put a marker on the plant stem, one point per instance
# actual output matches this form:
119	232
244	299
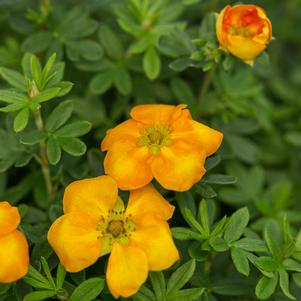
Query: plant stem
44	160
206	84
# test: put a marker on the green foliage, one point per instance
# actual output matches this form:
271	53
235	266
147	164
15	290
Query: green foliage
70	70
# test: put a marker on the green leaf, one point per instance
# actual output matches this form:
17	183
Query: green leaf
151	63
37	42
13	107
75	129
47	271
266	287
144	294
46	70
292	265
158	283
35	274
60	276
294	138
11	96
203	216
218	244
272	234
101	82
284	284
267	264
297	278
180	277
240	260
14	78
37	284
190	294
36	69
65	88
236	225
53	151
73	146
40	295
21	120
90	50
251	244
190	219
46	95
123	81
88	290
111	42
220	179
25	63
185	234
33	137
59	115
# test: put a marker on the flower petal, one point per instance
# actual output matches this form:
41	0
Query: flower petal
94	196
128	165
127	130
14	257
154	237
127	270
75	241
9	218
206	137
148	200
153	114
179	166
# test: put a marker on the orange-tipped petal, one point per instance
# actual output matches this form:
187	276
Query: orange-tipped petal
94	196
127	130
127	270
9	218
148	200
128	165
154	237
75	240
14	257
179	166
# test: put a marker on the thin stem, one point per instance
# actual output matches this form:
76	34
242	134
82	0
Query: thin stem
206	84
43	154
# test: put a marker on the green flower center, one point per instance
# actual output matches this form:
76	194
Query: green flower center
115	227
154	138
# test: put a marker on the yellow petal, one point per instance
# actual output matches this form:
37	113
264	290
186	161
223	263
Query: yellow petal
127	130
128	165
179	166
246	49
75	241
127	270
148	200
153	114
94	196
153	236
14	257
9	218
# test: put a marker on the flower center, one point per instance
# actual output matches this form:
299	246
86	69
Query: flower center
115	227
154	138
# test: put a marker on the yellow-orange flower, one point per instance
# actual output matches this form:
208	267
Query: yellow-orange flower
244	31
161	142
14	254
96	223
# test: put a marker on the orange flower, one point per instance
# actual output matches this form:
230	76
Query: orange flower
244	31
161	142
96	223
14	255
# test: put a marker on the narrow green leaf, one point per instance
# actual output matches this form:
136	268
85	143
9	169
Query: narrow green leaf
14	78
190	219
11	96
39	295
88	290
59	115
190	294
151	63
236	225
181	233
144	294
101	82
266	287
65	88
123	81
72	146
46	95
180	277
47	271
220	179
292	265
37	284
32	272
37	42
251	244
203	216
272	234
284	284
240	260
33	137
21	120
267	264
13	107
60	276
75	129
36	69
158	283
218	244
53	151
46	70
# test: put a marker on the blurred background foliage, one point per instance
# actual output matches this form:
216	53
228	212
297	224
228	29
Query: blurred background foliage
121	53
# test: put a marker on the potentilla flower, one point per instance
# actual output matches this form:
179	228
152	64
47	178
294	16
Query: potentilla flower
14	254
95	223
161	142
244	31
